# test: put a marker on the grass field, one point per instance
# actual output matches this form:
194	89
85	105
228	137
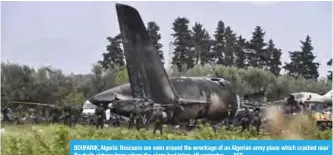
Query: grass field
54	139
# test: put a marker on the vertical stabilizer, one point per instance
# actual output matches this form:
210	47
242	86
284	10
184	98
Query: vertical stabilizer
137	45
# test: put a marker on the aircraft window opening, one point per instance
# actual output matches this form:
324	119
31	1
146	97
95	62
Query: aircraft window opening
219	81
215	79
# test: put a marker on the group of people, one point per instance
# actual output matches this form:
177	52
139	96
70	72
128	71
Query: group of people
246	119
98	120
25	114
139	118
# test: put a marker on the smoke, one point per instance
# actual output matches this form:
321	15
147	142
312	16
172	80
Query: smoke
297	127
217	103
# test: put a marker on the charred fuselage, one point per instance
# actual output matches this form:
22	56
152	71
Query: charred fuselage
209	98
150	87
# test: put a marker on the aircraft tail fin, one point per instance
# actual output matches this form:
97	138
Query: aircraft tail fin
137	43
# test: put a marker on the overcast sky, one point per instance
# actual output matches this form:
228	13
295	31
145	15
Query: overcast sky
72	35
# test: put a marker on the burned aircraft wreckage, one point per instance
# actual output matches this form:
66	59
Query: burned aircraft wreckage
149	87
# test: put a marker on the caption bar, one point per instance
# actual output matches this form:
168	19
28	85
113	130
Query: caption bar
200	147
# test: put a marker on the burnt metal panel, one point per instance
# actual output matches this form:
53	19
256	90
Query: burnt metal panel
134	66
137	45
196	93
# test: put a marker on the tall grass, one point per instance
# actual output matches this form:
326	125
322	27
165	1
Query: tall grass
54	139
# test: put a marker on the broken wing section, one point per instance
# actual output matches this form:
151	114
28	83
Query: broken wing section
136	42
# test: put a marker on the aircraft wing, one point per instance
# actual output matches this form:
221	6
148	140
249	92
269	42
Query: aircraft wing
141	54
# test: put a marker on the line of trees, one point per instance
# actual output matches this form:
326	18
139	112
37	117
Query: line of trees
249	64
196	46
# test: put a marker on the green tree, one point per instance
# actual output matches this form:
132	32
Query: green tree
183	44
121	76
51	86
22	83
230	47
250	80
153	32
257	57
97	82
274	58
114	57
219	42
240	52
17	82
75	99
201	44
83	83
302	62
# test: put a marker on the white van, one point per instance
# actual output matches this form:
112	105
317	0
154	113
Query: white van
89	110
